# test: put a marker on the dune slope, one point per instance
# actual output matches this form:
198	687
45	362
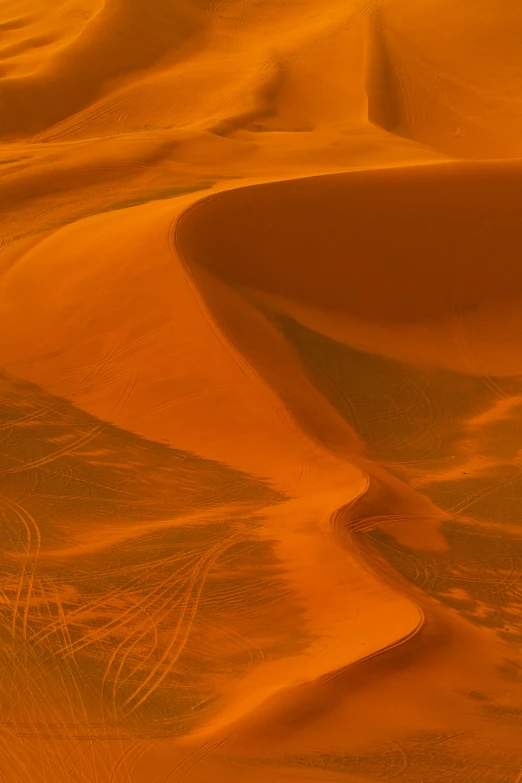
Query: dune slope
260	391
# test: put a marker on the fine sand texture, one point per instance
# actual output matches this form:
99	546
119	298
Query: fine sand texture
260	391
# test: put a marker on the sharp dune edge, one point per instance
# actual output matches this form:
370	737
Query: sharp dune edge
260	375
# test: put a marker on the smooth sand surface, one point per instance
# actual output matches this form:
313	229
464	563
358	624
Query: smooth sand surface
260	391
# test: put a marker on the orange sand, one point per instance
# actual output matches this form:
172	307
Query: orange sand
261	391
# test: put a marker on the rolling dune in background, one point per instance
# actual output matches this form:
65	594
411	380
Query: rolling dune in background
260	391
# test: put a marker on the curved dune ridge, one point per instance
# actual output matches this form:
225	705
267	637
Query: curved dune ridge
260	391
426	248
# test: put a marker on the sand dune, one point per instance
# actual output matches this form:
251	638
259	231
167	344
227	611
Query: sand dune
448	76
260	391
394	260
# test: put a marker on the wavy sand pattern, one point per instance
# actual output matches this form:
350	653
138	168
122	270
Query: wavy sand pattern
260	391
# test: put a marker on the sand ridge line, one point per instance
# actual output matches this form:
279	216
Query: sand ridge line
174	233
231	725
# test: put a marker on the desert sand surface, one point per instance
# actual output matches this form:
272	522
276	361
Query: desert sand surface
260	391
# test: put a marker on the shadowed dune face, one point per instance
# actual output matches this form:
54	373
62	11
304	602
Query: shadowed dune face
433	248
400	245
260	391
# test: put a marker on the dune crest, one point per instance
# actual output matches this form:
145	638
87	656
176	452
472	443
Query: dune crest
306	240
